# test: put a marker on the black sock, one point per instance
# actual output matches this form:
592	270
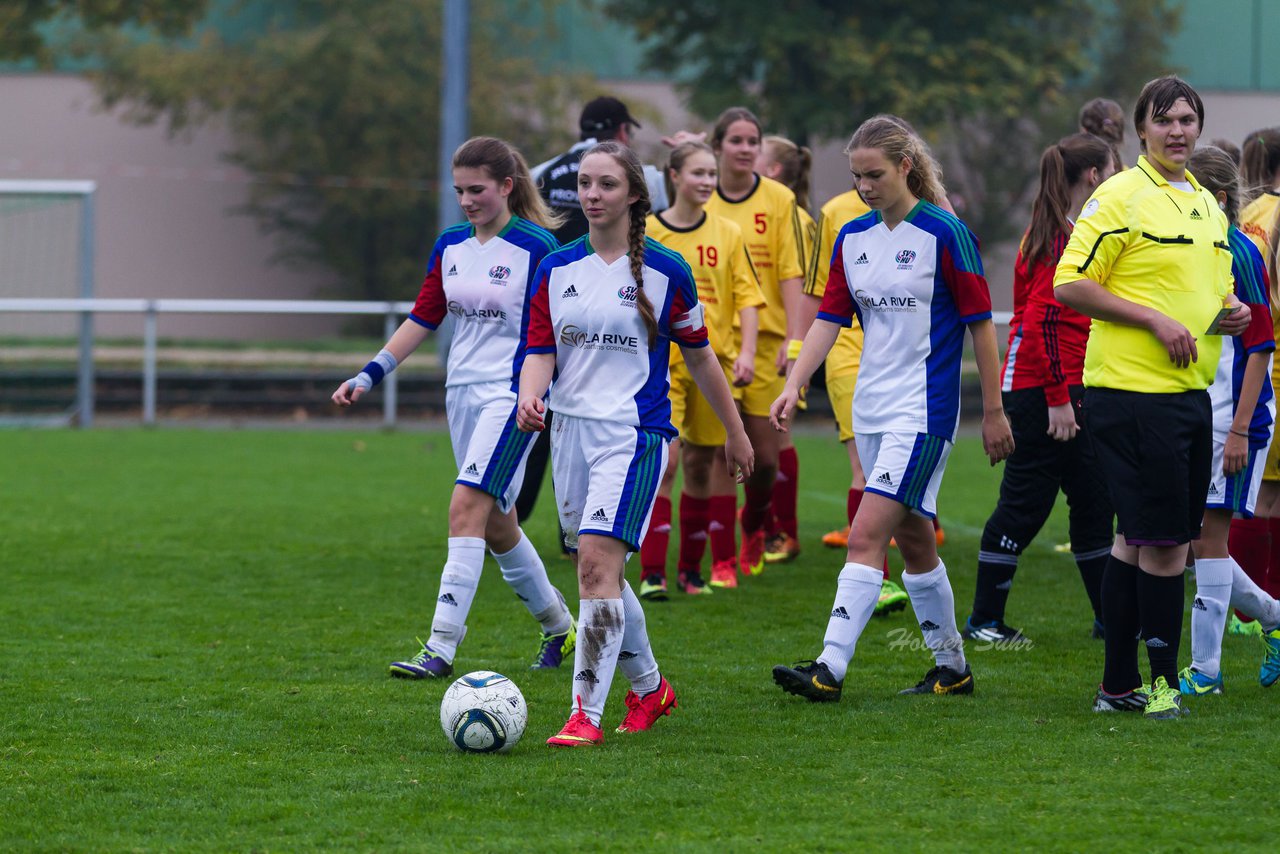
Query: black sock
1091	570
992	589
1160	601
1120	615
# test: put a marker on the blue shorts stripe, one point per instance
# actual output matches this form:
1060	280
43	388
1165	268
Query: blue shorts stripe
641	486
505	458
924	458
1237	497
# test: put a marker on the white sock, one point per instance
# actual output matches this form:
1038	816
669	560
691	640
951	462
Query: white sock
1251	600
524	571
635	658
857	591
458	583
1209	613
935	607
601	624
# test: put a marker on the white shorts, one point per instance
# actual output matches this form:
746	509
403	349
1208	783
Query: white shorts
606	477
906	467
489	448
1239	492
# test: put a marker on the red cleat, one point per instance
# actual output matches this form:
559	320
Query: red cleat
643	712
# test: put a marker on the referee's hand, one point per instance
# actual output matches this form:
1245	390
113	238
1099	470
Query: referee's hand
1176	338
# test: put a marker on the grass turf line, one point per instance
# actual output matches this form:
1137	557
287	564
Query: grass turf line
197	627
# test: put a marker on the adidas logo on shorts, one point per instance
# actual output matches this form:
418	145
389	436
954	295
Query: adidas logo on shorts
471	469
570	291
447	598
587	676
885	480
1213	489
600	516
862	259
929	626
841	613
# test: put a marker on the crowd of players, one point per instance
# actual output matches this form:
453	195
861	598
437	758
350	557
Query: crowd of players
1137	381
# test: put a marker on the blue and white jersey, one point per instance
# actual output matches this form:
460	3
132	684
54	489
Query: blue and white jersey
1251	289
584	311
913	289
486	287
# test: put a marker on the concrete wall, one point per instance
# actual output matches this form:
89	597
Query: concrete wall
164	226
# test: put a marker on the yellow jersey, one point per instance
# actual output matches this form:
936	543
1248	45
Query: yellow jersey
770	227
1258	222
1156	245
846	353
722	270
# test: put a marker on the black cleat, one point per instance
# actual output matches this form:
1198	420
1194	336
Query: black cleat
1129	701
993	632
943	680
809	679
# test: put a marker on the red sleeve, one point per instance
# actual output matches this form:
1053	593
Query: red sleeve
540	335
687	327
968	288
837	302
430	307
1260	336
1040	292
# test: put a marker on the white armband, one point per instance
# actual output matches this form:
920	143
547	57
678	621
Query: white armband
691	319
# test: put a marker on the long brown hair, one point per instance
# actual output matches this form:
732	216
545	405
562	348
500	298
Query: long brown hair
501	160
676	161
634	172
796	162
728	117
1062	167
899	142
1259	161
1217	172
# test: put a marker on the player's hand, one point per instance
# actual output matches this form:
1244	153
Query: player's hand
744	370
783	408
1176	338
997	436
348	393
1062	423
739	455
529	414
1238	321
682	136
1235	454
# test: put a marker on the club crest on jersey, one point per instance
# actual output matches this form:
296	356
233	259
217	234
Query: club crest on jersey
484	315
905	259
884	303
498	274
628	294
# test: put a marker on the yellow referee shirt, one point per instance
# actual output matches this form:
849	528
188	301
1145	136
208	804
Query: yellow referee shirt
771	230
1156	245
846	353
722	270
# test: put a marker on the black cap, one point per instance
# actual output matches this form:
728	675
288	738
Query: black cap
604	114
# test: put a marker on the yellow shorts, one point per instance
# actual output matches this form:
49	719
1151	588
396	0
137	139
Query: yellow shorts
767	385
691	412
840	393
1271	472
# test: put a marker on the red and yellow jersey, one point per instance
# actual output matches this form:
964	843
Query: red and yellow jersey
1258	221
722	271
771	230
846	353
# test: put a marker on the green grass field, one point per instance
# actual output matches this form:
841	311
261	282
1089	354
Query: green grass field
196	627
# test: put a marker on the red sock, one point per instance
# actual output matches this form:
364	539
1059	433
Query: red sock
722	529
851	507
1272	585
695	514
1250	544
756	506
786	488
653	550
936	526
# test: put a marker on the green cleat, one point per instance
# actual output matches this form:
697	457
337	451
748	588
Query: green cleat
1270	670
1237	626
1164	703
892	598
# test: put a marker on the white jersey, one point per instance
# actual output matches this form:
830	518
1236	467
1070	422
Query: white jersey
584	311
913	289
486	287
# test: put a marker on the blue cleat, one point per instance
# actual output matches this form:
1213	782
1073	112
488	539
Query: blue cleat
1270	670
425	665
553	648
1193	683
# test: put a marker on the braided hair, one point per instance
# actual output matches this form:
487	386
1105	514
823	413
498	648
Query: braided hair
634	172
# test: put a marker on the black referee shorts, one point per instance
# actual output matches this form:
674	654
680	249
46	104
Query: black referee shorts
1155	451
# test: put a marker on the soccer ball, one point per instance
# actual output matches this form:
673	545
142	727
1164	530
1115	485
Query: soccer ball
483	712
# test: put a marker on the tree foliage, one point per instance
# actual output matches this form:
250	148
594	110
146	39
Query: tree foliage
24	25
987	81
333	107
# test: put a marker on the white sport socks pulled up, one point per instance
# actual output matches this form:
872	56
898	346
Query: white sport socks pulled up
857	591
601	625
524	571
1252	601
458	583
935	607
1209	613
635	658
